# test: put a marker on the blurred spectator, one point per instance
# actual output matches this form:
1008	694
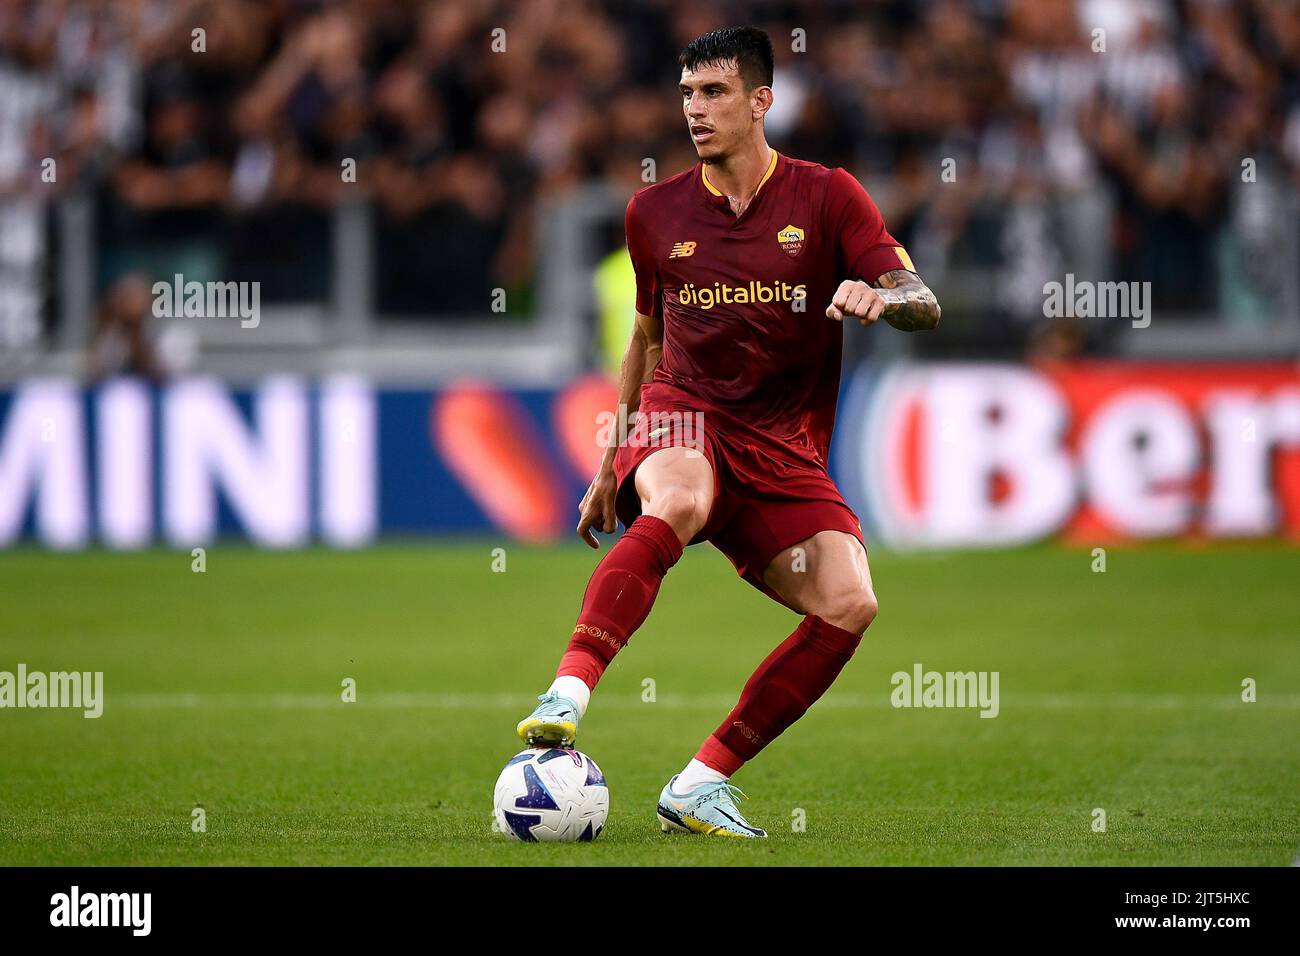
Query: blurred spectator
123	342
1102	137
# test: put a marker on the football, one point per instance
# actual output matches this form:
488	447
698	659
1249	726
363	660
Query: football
551	795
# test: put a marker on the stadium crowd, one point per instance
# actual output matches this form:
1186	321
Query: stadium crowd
1008	137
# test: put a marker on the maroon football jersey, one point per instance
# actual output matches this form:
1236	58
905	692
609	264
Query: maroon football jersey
727	289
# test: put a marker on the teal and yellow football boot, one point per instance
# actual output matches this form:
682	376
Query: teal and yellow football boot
709	809
553	724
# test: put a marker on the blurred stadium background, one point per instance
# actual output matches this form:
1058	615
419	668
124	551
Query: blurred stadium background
429	196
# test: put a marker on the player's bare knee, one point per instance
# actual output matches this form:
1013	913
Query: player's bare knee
684	508
851	611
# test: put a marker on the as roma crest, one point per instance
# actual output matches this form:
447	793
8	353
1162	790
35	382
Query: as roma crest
790	239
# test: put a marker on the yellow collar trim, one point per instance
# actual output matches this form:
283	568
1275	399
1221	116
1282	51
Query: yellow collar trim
771	167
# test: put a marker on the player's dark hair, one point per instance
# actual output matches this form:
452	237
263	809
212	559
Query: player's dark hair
750	47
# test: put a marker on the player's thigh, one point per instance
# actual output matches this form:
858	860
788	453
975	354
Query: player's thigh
676	484
827	575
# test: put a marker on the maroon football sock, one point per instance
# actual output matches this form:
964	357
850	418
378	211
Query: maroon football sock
785	685
619	596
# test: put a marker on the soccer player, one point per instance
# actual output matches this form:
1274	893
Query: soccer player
746	266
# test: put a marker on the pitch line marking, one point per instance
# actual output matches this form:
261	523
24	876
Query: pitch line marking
392	700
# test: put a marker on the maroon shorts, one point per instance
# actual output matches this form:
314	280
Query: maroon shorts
766	496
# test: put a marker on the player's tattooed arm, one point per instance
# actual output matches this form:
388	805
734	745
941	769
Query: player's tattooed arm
899	297
909	304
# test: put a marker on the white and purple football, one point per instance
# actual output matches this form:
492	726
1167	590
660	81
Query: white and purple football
551	795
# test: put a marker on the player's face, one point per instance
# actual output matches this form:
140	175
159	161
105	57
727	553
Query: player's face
720	112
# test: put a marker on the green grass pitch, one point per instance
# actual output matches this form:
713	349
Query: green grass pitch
1119	690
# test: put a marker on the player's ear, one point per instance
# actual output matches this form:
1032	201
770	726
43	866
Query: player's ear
761	101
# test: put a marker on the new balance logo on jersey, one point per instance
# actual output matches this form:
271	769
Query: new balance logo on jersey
681	250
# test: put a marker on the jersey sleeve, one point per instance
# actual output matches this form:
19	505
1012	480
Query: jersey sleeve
648	298
866	247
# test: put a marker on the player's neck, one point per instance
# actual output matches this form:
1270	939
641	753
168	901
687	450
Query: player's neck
738	175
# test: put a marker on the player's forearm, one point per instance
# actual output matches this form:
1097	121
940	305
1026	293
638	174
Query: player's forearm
910	306
639	364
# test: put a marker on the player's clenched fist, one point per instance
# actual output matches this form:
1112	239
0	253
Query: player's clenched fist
597	507
857	299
